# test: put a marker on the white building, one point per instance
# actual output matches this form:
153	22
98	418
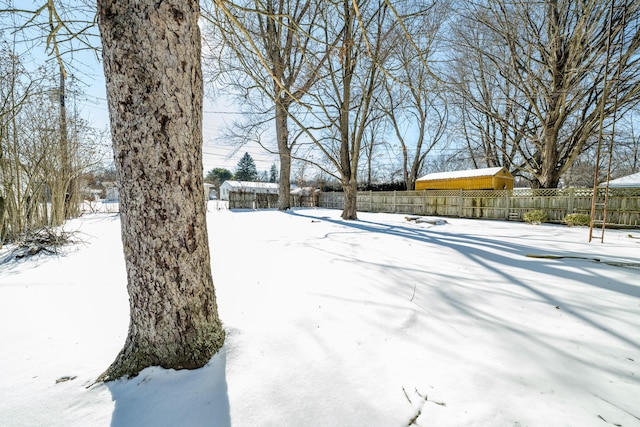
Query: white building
210	191
247	187
113	194
629	181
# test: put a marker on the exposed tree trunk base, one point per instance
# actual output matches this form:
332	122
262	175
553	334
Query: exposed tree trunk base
350	210
349	214
133	358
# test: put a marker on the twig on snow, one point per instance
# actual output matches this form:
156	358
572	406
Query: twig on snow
47	240
413	420
613	404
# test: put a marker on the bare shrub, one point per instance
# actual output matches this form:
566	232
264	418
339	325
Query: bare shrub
46	240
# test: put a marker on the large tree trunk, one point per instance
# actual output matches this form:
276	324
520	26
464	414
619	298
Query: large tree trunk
350	209
284	179
549	175
151	53
284	151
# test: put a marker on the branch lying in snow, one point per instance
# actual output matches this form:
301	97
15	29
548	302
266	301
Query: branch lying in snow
613	404
424	399
47	240
613	263
602	418
421	219
562	256
66	378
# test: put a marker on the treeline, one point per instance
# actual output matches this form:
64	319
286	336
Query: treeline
45	147
383	186
377	90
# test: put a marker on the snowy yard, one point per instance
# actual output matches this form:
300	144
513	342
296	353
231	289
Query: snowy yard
375	322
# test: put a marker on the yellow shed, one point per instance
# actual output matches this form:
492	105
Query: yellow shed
475	179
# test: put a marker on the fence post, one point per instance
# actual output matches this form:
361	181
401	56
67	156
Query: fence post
424	202
394	200
570	201
370	200
460	203
507	203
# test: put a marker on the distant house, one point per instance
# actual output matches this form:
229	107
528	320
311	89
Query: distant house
497	178
113	195
629	181
93	193
210	191
247	187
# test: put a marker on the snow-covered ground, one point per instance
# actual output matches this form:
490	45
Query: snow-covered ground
375	322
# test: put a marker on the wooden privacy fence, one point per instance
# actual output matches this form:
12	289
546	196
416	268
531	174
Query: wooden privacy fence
248	200
623	208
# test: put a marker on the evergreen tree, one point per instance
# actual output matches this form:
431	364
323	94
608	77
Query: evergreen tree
246	169
273	173
218	175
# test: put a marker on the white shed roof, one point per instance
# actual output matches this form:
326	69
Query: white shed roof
629	181
245	185
471	173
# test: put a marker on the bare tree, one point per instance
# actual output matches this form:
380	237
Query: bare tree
547	63
15	87
67	29
32	182
373	141
627	148
152	64
491	124
415	106
345	98
625	155
265	47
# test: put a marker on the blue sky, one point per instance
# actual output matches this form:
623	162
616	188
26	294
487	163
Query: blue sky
217	115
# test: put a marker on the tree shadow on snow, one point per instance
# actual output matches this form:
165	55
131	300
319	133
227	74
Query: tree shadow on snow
485	251
489	253
161	397
536	312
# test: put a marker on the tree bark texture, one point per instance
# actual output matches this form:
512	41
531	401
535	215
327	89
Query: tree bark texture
350	209
151	53
284	150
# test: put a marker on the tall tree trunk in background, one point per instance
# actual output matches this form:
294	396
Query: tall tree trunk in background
350	209
269	48
69	183
348	155
1	221
151	53
284	152
64	150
